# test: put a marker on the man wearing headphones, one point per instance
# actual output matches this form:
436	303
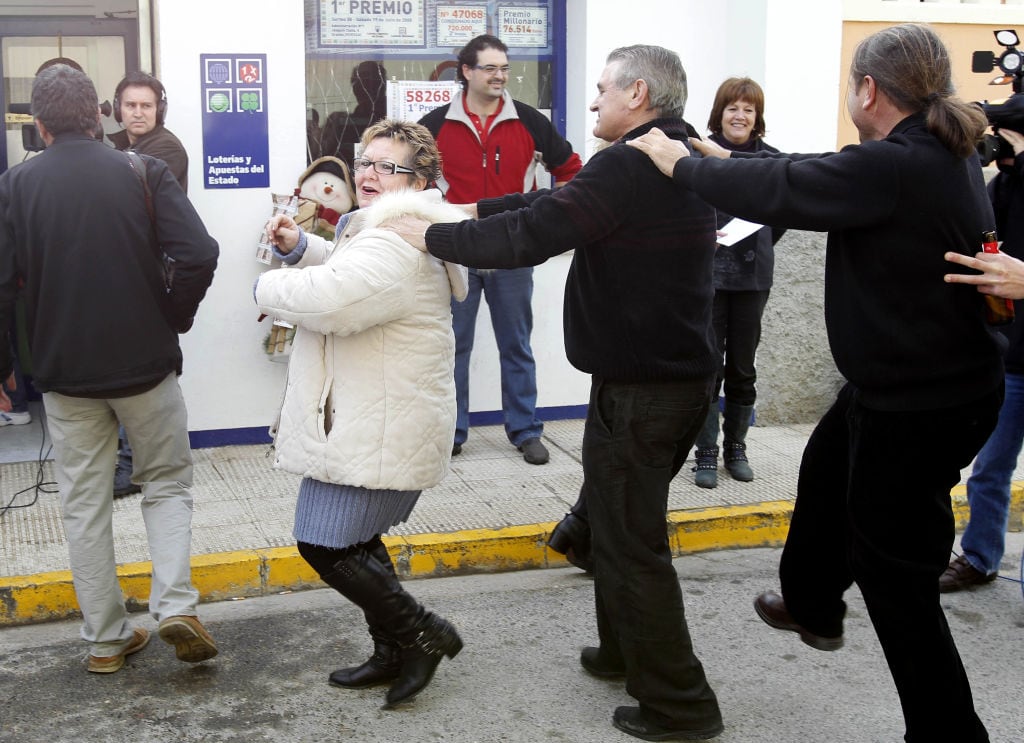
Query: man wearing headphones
140	105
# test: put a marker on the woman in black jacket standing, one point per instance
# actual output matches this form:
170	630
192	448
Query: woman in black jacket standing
743	279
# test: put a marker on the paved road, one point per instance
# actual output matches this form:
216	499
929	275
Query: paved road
516	680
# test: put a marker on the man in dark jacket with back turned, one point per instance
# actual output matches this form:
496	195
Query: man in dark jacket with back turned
103	332
637	317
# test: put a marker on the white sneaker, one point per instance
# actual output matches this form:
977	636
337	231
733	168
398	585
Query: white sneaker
15	419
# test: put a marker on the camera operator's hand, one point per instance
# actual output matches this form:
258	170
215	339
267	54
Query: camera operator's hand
1001	275
1016	139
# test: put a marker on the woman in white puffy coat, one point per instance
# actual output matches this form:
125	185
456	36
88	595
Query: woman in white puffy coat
369	408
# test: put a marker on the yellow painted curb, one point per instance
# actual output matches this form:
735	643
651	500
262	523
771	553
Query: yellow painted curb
260	572
962	512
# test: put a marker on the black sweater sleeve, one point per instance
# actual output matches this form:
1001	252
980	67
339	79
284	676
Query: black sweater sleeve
527	229
821	192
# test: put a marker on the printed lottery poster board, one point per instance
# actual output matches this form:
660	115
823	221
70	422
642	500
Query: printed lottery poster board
432	26
411	100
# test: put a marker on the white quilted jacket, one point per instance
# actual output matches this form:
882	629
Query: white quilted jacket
370	397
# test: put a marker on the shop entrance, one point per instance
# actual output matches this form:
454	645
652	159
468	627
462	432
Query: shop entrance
103	47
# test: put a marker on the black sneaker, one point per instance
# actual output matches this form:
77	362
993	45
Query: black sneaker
534	452
123	484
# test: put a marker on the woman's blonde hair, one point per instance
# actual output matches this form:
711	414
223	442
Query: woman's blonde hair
426	158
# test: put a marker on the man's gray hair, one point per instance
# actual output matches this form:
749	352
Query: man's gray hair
661	69
64	100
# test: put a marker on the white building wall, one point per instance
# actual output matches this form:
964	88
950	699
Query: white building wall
227	381
791	46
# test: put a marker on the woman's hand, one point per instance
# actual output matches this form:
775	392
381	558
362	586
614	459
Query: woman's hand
282	232
710	149
1001	275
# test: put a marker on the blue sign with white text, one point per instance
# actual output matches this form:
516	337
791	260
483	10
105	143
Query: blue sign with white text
236	145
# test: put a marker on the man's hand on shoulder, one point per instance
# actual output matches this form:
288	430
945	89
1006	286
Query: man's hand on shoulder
411	229
663	151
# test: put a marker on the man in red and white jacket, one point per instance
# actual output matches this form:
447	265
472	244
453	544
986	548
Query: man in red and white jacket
491	145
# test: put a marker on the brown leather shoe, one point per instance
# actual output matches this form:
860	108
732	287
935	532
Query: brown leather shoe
961	574
772	609
192	643
111	663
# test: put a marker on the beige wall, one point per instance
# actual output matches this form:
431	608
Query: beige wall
962	40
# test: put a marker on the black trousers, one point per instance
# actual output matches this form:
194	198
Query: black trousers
736	318
873	507
635	439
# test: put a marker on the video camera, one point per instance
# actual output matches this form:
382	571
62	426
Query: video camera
30	139
1008	112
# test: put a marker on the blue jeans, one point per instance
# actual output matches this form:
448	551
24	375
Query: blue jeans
509	296
988	487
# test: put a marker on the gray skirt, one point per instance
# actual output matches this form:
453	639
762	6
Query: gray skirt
339	516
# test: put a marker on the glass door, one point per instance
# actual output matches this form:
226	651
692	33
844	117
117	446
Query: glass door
103	48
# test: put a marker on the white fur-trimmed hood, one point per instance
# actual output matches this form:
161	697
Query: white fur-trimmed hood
428	205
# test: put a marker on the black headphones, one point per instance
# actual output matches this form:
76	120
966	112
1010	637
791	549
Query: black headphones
142	79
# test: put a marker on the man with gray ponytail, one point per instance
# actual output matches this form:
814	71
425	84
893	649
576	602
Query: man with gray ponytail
924	374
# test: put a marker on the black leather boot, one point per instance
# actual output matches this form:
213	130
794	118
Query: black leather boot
383	665
380	668
423	637
571	537
434	638
736	422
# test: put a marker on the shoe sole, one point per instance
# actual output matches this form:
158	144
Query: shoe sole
364	685
117	665
817	642
967	585
705	734
189	645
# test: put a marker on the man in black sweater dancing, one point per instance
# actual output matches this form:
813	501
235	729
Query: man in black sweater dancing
637	318
925	380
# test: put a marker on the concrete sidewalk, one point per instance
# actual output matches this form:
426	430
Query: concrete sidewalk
492	513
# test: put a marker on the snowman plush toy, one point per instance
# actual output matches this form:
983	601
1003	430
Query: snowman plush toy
326	192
